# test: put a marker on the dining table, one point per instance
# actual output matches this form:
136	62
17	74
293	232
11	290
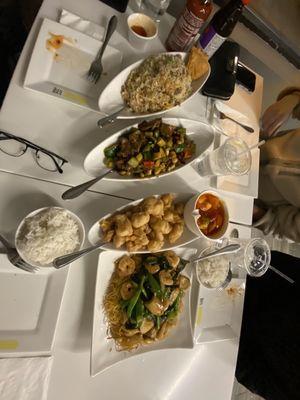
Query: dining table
206	371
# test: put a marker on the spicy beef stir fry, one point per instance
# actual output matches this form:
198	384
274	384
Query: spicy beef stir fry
144	298
151	149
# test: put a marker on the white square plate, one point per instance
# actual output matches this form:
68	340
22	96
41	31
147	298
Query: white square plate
62	73
30	305
103	352
219	312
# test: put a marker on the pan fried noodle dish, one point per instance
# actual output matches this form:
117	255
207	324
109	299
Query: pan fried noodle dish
148	225
144	298
151	149
159	83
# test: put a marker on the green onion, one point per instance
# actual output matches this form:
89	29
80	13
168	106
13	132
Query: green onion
151	260
147	155
134	299
110	151
179	148
154	285
173	311
158	322
139	312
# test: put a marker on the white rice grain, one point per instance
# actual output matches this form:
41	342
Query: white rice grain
49	234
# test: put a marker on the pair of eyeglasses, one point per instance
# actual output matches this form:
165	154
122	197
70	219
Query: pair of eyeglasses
16	146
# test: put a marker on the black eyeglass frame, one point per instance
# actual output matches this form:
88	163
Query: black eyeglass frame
35	147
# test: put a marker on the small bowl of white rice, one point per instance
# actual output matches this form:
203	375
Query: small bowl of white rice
48	233
214	273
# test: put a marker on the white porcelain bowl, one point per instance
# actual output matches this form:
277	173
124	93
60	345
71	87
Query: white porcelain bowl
139	42
200	264
35	212
191	220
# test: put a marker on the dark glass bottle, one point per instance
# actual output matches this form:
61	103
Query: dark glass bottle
221	26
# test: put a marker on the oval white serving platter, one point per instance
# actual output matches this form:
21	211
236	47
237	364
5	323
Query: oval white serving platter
201	133
95	235
111	100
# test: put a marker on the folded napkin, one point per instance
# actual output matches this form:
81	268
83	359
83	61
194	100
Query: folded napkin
242	180
228	127
25	378
231	129
74	21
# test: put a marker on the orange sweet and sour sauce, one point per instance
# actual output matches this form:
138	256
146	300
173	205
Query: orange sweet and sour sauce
212	214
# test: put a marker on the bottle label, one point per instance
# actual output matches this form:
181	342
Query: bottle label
184	31
210	41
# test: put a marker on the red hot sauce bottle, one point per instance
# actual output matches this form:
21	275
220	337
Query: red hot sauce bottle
188	24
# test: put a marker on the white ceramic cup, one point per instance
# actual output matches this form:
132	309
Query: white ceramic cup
137	41
191	220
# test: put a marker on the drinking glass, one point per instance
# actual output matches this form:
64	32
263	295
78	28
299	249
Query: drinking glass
231	158
154	8
254	256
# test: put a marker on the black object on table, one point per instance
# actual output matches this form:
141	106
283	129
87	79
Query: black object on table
223	66
269	352
119	5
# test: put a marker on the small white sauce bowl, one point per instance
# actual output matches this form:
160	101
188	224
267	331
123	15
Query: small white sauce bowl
191	219
35	212
137	41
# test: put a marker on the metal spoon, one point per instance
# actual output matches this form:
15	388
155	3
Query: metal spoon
231	248
226	282
76	191
110	118
62	261
246	127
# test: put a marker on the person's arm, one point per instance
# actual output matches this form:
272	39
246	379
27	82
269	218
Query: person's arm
288	103
282	221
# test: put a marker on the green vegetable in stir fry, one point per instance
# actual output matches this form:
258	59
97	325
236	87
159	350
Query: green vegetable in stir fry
158	293
151	149
144	298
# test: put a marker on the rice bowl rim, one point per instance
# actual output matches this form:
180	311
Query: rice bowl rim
33	213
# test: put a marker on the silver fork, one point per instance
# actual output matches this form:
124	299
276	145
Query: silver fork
96	67
246	127
15	259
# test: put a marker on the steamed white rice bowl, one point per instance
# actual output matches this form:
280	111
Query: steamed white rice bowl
49	234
